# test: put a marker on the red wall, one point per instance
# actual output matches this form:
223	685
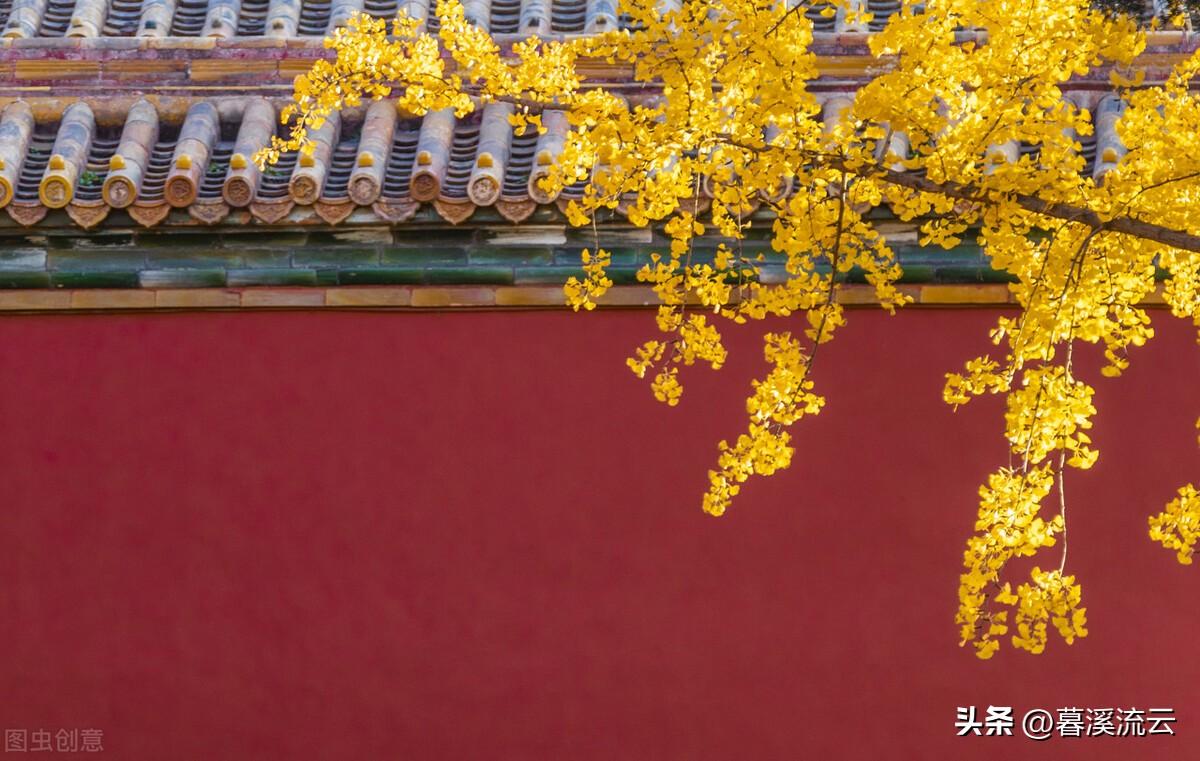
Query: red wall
476	536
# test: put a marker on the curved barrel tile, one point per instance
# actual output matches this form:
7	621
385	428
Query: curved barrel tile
833	111
16	127
68	157
283	18
374	149
1008	152
895	144
495	136
535	17
222	19
549	146
601	16
24	19
156	18
127	167
192	152
416	9
308	178
341	12
478	12
842	20
433	154
1109	149
241	183
88	18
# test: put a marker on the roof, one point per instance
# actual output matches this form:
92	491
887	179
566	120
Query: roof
134	121
284	19
144	164
189	161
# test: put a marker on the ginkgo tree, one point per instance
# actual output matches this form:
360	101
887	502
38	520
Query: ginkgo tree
730	116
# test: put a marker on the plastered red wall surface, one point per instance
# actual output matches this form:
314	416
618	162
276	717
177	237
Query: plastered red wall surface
476	536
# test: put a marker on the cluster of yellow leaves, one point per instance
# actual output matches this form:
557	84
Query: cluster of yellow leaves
1051	598
1178	527
1048	414
696	340
595	283
779	400
1008	527
964	130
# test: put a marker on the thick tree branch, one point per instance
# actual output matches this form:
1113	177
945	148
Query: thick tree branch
1066	212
